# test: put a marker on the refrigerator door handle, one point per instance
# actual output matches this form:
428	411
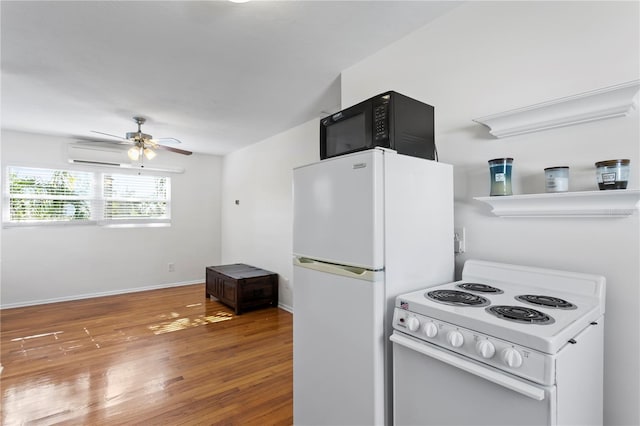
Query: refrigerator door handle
332	268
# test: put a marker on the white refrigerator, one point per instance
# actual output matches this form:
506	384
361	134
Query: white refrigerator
367	227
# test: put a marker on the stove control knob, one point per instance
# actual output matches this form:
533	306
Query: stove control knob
485	349
455	338
413	323
512	357
430	329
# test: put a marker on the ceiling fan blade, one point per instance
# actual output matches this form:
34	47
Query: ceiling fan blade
99	140
167	140
143	141
172	149
108	134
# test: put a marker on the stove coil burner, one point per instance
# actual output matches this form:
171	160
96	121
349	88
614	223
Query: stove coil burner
546	301
520	314
457	298
480	288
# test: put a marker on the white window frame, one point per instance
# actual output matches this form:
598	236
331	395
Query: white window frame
134	221
89	198
96	202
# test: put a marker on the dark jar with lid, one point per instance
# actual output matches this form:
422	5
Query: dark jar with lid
613	174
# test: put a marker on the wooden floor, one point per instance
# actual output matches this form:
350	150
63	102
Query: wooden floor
162	357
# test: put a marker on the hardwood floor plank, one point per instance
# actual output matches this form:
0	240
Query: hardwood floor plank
162	357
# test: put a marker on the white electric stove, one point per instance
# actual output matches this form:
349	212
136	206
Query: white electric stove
519	344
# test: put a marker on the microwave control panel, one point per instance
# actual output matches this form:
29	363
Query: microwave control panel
380	114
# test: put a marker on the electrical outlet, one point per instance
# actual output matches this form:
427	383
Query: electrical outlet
287	284
172	267
459	240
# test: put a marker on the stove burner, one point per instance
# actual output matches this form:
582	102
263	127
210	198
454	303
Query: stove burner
520	314
480	288
457	298
546	301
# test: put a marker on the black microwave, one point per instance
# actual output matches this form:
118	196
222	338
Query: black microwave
389	120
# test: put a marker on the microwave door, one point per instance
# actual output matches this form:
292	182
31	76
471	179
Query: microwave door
347	131
346	135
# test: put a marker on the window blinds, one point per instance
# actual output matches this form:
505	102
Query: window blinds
44	195
132	197
55	196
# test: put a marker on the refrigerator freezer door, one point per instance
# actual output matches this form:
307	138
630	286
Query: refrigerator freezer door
338	210
338	359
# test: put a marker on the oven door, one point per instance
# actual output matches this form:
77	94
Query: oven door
433	386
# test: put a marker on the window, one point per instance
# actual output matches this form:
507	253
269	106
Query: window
131	198
45	196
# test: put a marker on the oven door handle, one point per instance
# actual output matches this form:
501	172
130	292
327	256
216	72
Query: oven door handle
471	367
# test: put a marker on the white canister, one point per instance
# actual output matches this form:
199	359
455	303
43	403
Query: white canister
556	179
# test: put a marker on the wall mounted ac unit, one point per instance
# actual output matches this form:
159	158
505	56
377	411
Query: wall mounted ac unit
116	156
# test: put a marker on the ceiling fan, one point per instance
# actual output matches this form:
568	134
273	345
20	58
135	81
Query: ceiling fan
143	144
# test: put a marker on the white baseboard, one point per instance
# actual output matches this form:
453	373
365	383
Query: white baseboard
113	293
99	294
285	307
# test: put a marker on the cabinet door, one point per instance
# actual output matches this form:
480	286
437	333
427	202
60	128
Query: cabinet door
211	283
257	288
228	290
217	287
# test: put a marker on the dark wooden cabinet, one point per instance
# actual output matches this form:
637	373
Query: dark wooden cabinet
241	286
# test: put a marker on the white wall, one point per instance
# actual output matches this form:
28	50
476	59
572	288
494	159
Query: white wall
484	58
258	231
51	263
2	178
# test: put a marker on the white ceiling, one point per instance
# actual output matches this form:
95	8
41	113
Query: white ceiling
214	74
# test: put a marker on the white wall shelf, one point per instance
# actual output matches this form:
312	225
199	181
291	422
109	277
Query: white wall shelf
608	203
609	102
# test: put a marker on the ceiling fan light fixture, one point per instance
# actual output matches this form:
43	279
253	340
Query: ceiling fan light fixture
138	136
134	153
144	145
149	153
